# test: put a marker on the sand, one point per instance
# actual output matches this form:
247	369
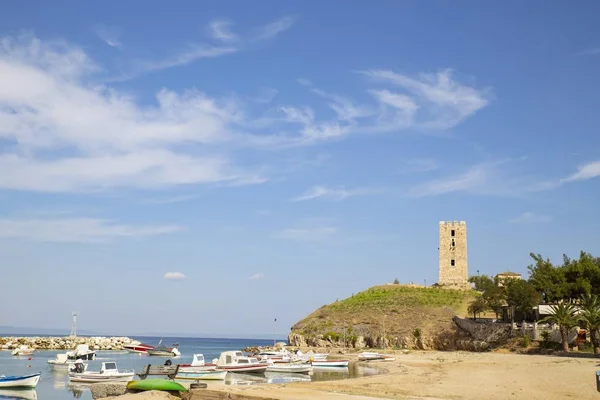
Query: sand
451	375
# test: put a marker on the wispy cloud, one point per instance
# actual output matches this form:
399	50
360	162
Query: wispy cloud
219	29
308	234
174	276
585	172
417	165
108	34
193	53
256	277
274	28
77	230
530	217
594	51
169	200
324	192
475	176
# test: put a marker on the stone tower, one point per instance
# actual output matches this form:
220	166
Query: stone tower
453	255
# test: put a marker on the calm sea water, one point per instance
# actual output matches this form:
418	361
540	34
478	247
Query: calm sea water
55	385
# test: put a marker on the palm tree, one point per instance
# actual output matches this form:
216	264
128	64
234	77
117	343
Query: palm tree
563	314
590	317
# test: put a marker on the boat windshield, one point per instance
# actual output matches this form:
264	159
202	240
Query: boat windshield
110	365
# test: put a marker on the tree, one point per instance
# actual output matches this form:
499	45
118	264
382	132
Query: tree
549	281
492	294
396	281
563	314
481	282
477	306
521	296
590	317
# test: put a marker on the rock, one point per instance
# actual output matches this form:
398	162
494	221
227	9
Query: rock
101	390
486	332
360	342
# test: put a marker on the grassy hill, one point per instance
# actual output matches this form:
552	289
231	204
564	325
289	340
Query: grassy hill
401	308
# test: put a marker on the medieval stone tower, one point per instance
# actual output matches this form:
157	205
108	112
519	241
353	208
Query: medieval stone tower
453	255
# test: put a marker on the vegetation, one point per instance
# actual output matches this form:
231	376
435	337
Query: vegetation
477	306
589	316
393	310
563	314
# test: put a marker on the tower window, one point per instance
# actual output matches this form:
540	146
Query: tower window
452	263
453	244
453	232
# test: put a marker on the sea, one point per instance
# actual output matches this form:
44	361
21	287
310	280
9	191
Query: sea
54	385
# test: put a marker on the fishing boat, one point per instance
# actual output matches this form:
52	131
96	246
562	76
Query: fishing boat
62	363
236	361
311	356
198	365
330	363
290	368
163	351
108	373
138	347
370	356
23	350
82	352
203	375
19	381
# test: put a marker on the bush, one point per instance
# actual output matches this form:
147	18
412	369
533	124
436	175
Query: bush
396	281
526	341
333	336
417	333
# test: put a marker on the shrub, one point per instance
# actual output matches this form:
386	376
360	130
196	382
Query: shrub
333	336
396	281
417	333
526	341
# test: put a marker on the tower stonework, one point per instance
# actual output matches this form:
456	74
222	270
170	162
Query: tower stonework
453	268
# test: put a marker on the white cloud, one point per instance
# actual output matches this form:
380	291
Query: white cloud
77	230
108	34
275	28
443	102
530	217
331	193
419	165
585	172
308	234
174	276
257	276
219	29
475	176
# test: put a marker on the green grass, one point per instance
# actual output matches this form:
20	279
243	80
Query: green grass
403	296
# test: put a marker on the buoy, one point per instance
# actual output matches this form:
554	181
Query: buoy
30	366
29	358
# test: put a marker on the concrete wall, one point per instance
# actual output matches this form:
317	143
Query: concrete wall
453	248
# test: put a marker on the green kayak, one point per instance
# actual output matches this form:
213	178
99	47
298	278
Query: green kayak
156	384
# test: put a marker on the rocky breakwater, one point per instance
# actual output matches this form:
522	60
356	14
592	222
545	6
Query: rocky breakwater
65	343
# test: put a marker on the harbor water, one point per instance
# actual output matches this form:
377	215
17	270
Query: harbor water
54	385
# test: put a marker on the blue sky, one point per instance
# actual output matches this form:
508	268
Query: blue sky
276	156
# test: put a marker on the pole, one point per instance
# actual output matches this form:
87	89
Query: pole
274	332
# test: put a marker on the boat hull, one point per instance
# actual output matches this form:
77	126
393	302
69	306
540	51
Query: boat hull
341	363
205	376
24	381
197	368
97	377
138	349
297	369
160	353
156	384
247	369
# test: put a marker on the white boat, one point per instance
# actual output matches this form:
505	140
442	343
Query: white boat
372	356
163	351
83	352
290	368
108	373
21	381
204	375
330	363
62	362
310	356
197	365
23	350
236	361
138	347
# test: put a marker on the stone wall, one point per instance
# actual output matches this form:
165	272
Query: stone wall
487	332
65	343
453	249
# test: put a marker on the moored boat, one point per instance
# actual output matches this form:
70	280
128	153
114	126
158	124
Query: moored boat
163	351
290	368
62	362
108	373
213	375
370	356
83	352
197	365
235	361
19	381
138	347
23	350
330	363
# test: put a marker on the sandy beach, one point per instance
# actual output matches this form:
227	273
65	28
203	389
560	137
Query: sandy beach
451	375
